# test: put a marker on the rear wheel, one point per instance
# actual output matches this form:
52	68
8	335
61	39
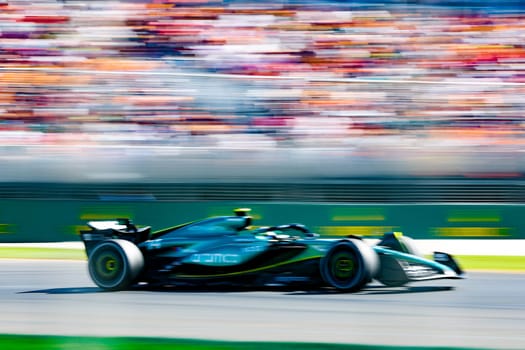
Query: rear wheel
115	264
349	265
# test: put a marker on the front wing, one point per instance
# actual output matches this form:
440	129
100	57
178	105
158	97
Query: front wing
398	268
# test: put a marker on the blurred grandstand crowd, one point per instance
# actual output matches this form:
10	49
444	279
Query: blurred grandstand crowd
299	73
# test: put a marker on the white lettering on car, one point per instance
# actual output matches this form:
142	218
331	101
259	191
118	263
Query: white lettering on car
216	258
320	248
418	271
155	244
253	249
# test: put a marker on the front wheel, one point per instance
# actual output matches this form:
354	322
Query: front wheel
349	265
115	264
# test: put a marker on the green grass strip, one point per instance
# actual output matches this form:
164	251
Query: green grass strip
467	262
42	253
492	263
35	342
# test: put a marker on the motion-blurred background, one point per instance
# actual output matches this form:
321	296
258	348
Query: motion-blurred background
353	117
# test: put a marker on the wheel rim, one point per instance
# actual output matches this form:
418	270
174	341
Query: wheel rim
348	265
343	266
108	267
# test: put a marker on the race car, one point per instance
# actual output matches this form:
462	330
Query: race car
229	250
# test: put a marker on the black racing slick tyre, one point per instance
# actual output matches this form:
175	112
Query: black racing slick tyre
410	246
401	243
115	264
349	265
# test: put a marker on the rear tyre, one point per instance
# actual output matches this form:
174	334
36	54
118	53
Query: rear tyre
349	265
115	264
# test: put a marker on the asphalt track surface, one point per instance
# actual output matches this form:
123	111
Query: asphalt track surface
486	310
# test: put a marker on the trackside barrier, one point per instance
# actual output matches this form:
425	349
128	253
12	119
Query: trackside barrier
56	221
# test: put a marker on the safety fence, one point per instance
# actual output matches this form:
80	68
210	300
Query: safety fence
348	191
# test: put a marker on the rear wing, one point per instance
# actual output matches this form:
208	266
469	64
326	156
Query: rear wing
113	229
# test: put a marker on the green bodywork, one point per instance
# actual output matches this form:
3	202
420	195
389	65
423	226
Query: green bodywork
229	247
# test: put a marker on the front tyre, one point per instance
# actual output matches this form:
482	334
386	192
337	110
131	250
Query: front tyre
349	265
115	264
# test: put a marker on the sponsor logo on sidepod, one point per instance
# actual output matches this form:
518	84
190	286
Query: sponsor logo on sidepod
216	258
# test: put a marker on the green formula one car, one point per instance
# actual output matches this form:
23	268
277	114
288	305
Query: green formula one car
228	250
